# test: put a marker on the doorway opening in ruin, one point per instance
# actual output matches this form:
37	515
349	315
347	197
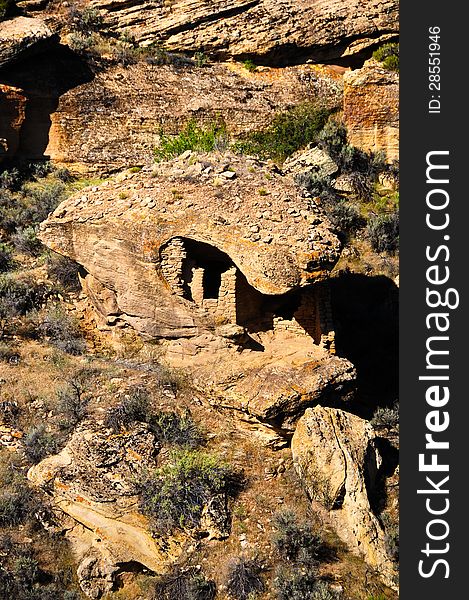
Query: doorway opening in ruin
211	283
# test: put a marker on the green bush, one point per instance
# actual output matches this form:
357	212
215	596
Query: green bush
245	580
175	495
249	65
62	331
39	443
192	137
40	199
383	233
184	584
388	56
289	131
22	578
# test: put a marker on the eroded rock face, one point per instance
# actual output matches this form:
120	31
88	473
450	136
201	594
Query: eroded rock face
269	29
21	37
211	239
335	455
92	484
113	121
371	109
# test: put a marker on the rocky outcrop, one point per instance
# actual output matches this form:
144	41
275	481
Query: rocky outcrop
277	392
371	109
92	487
335	455
113	121
270	30
21	37
205	240
310	160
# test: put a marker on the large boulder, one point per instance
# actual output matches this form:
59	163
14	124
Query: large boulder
269	29
93	491
336	457
210	239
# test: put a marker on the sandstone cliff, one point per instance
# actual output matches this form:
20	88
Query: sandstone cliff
371	109
271	30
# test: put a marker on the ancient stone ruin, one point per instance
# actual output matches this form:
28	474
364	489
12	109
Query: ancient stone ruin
177	255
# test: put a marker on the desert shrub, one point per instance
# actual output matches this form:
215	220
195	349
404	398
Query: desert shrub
388	56
39	443
134	407
346	218
85	20
362	185
22	578
63	174
125	55
302	586
383	233
62	331
192	137
332	138
318	186
184	584
17	501
296	542
174	495
9	354
391	541
40	169
10	179
18	298
244	580
289	131
5	7
72	403
40	199
387	418
64	271
25	241
6	258
179	430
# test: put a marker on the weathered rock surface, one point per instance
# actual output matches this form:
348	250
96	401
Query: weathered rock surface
310	160
277	390
20	37
92	481
268	29
371	109
214	237
113	121
336	457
